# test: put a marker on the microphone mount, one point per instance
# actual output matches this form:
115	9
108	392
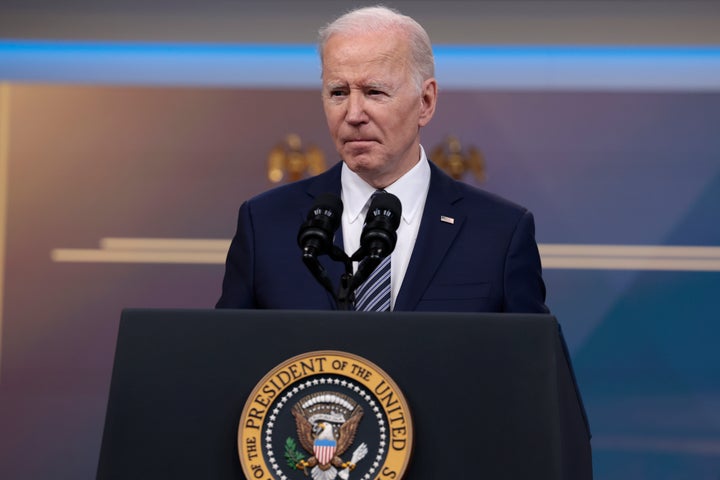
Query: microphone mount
377	241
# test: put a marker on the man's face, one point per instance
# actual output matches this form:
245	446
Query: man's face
373	107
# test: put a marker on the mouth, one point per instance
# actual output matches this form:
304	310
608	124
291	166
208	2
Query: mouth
358	142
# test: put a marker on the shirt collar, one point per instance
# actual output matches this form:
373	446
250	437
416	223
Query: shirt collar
356	192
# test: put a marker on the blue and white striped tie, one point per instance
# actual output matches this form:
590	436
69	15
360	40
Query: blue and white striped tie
374	294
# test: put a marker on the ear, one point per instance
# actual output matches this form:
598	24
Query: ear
428	100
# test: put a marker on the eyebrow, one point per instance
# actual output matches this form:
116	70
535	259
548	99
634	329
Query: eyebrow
334	85
371	85
377	86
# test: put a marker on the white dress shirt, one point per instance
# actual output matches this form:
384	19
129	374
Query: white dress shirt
411	189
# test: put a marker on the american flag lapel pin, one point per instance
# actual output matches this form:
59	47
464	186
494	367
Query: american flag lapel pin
445	219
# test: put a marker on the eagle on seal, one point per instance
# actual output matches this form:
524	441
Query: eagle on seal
325	441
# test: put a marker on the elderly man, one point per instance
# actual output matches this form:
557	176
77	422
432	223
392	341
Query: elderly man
458	248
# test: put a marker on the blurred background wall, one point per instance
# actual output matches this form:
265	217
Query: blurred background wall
130	132
517	22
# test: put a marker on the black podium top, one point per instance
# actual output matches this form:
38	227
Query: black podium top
491	395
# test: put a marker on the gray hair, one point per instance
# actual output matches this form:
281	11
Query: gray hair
382	19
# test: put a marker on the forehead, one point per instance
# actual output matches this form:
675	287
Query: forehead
372	55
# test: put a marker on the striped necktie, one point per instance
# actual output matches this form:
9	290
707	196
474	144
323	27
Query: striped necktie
374	294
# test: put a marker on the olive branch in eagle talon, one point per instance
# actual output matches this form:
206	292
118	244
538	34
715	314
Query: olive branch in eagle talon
292	456
312	436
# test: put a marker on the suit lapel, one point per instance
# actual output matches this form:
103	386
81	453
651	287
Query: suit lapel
441	222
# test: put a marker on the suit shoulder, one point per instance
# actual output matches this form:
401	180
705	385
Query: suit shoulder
475	196
282	193
291	193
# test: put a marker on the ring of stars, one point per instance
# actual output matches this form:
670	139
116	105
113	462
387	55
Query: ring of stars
336	382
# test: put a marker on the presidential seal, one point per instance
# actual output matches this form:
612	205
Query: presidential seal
325	415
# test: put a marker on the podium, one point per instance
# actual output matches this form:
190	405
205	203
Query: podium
491	395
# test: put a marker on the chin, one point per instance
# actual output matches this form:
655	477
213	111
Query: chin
362	163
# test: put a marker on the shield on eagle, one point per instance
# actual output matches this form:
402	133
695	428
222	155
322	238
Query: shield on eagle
324	450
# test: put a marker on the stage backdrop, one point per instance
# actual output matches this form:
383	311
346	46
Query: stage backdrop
126	196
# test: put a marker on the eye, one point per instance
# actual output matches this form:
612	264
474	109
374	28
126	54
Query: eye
336	92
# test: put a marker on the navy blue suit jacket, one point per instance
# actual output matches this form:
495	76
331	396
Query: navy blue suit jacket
486	261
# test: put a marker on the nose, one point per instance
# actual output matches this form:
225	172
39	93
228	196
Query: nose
356	113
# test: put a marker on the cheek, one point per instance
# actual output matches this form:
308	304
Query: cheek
399	123
333	119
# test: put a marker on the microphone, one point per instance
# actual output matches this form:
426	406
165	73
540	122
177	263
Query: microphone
378	237
316	233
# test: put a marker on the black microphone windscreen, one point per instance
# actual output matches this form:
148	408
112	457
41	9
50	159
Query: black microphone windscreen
387	205
330	205
329	200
